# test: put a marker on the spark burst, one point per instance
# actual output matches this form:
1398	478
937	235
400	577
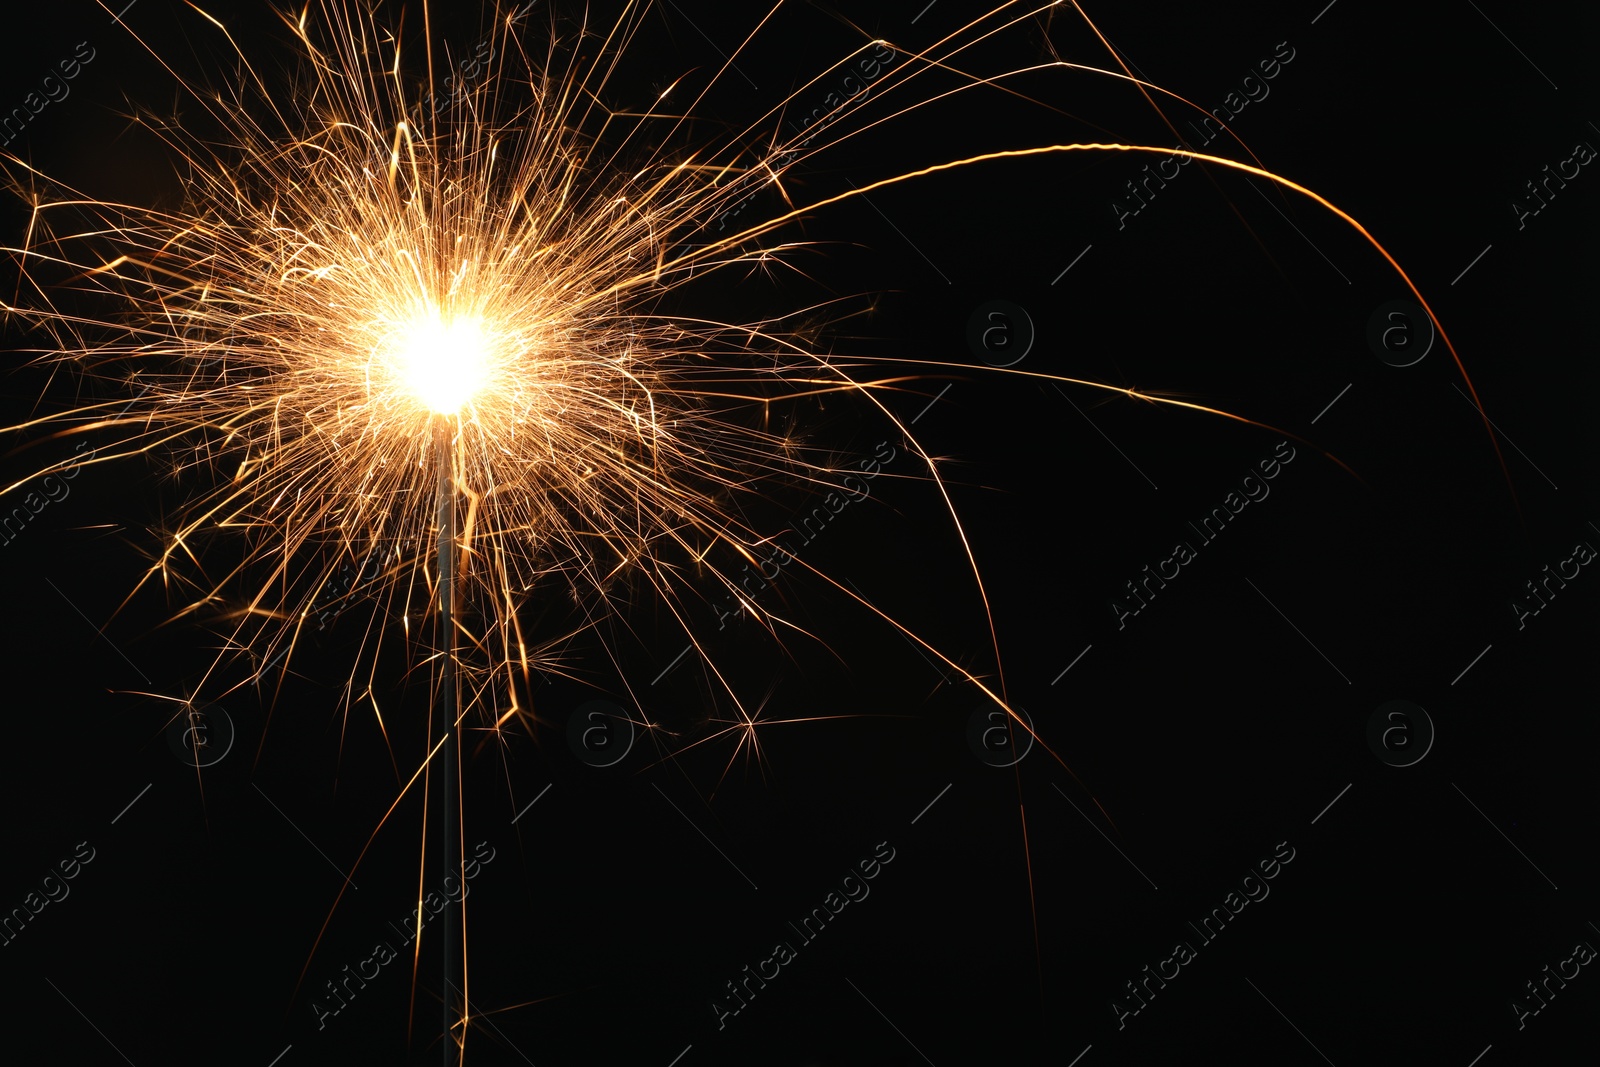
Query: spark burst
350	306
364	294
373	319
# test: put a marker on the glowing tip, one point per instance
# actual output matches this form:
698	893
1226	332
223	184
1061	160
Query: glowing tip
444	362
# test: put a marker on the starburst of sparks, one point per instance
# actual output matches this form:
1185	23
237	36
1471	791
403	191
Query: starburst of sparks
342	285
362	297
361	290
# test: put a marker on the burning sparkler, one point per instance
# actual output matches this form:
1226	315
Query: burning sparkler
433	336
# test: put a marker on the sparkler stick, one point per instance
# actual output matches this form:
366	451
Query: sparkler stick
444	798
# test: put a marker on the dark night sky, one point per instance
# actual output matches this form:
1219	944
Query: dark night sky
1205	732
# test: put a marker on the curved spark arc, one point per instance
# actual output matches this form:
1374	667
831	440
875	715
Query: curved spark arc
638	402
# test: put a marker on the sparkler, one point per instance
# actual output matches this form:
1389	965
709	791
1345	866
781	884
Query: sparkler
436	336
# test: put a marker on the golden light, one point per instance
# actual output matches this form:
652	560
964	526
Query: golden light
443	361
341	274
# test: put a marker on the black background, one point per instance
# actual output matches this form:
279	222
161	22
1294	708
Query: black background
1217	723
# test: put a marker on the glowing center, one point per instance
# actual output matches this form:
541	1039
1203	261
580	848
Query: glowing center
444	362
